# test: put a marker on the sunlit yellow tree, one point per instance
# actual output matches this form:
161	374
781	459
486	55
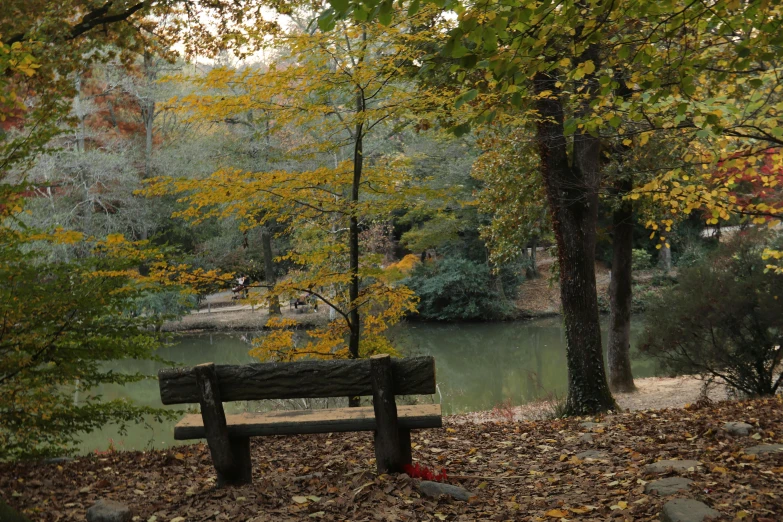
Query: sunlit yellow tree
329	94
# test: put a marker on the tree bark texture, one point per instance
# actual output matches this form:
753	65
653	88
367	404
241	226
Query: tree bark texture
388	457
269	268
620	294
572	192
294	380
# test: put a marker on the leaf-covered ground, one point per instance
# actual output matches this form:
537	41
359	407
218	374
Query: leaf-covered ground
519	471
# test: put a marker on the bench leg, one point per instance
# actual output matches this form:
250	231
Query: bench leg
243	467
405	447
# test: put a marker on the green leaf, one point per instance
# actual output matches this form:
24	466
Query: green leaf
341	6
385	12
468	96
461	130
326	20
569	126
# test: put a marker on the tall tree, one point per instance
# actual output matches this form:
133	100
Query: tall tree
329	93
568	62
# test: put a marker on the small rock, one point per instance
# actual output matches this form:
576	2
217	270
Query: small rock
686	510
677	465
738	429
592	454
436	489
108	511
586	437
667	486
764	448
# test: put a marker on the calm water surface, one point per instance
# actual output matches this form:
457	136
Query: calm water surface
478	366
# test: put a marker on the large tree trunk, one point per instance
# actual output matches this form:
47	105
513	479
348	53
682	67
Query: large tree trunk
269	269
620	376
572	193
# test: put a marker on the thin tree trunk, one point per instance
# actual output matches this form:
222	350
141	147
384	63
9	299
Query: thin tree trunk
572	193
269	269
665	258
532	271
148	113
620	293
353	233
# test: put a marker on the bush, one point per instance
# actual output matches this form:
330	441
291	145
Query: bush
454	289
640	259
692	256
724	320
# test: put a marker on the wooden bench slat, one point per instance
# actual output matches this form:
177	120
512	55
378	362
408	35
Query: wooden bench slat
311	421
302	379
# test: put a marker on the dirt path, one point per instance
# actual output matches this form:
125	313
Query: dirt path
652	393
238	317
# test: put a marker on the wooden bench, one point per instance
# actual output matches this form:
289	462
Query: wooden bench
228	436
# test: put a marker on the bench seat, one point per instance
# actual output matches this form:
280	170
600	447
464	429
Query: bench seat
310	421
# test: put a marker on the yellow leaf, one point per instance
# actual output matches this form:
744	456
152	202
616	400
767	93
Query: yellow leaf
179	456
556	513
627	142
719	469
589	67
623	504
581	510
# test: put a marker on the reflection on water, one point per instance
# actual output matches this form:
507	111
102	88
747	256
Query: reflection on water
482	365
478	366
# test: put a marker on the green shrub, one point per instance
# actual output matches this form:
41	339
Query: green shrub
662	280
455	289
723	320
640	259
691	256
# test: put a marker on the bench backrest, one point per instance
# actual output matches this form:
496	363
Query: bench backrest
302	379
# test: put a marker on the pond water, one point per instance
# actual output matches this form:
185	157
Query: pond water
479	366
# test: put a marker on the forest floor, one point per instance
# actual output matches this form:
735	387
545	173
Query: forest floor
531	470
651	393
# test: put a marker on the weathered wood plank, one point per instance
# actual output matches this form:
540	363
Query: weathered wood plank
311	421
302	379
242	473
214	418
387	436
